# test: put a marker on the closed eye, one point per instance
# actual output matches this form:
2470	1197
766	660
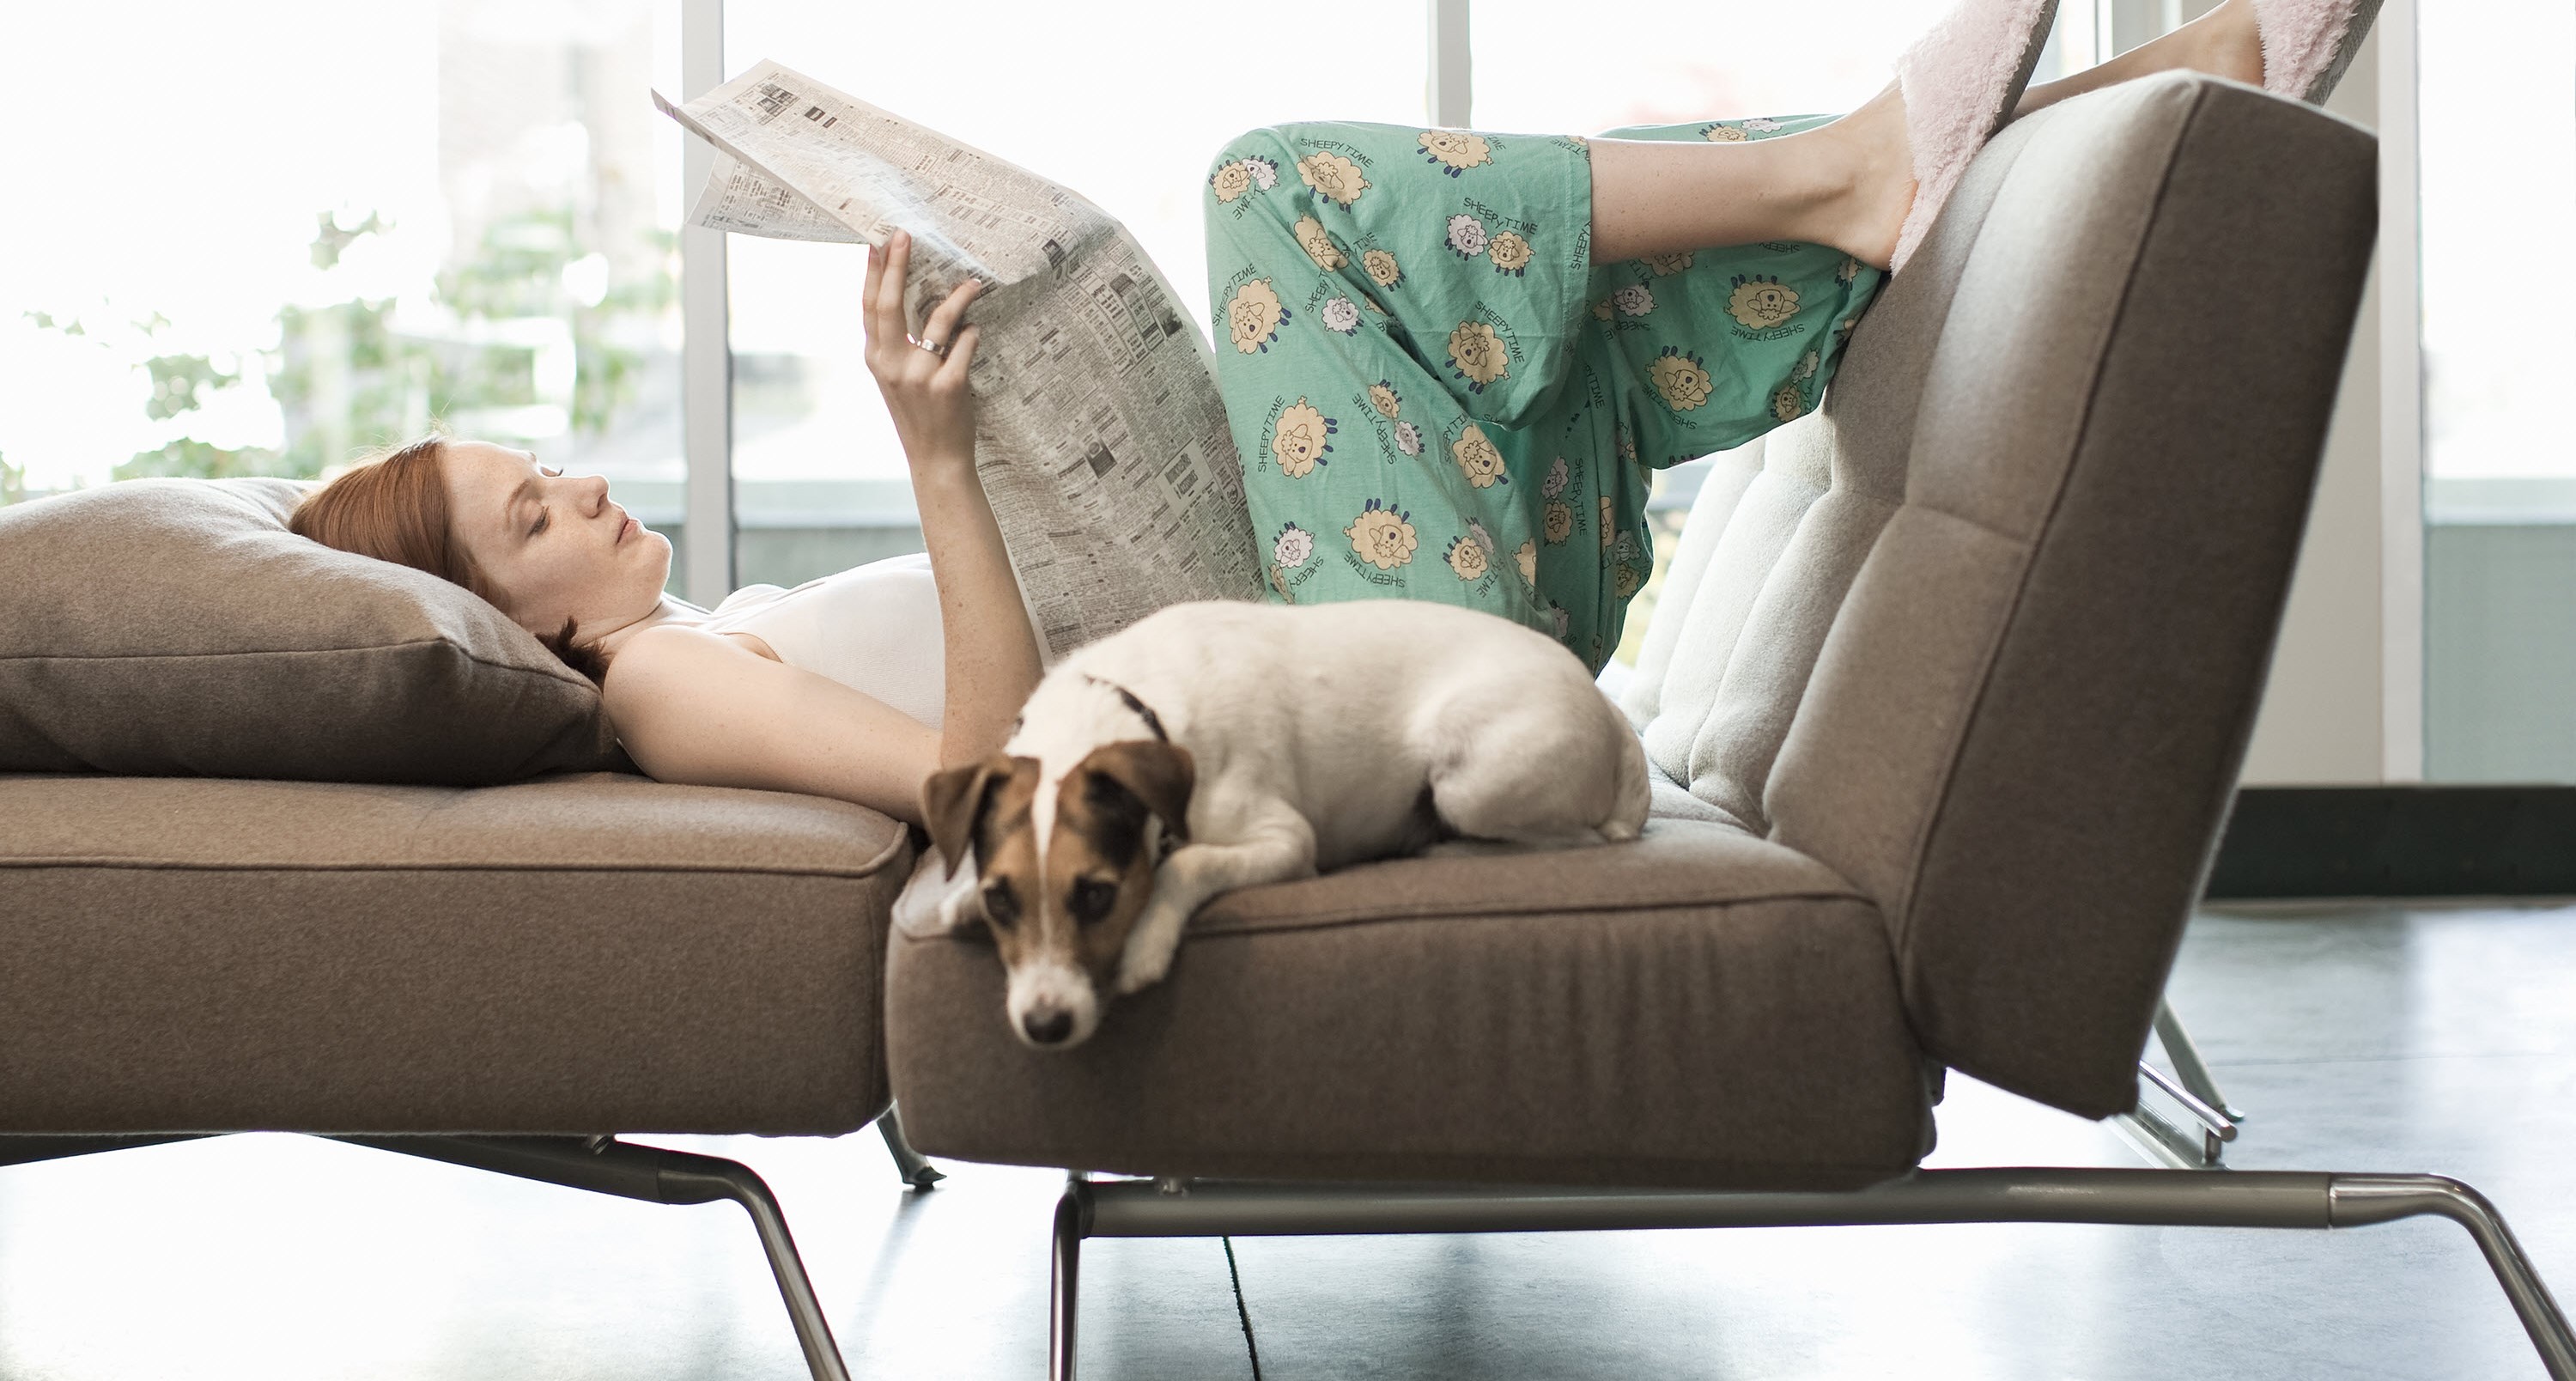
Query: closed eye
545	516
1090	899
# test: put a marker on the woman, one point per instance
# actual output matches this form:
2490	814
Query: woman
1519	435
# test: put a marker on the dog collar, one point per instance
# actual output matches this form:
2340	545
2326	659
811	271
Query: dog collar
1167	836
1142	710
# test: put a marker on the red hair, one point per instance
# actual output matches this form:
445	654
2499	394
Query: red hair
394	508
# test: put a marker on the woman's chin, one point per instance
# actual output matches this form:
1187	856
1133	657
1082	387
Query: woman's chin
646	548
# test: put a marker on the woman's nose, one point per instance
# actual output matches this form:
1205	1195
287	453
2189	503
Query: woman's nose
595	493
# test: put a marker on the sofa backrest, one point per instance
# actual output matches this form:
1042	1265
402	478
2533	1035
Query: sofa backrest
1987	632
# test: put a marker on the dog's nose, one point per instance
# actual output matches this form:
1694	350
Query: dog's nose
1048	1025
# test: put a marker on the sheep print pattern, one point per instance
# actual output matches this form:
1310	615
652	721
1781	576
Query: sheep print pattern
1437	395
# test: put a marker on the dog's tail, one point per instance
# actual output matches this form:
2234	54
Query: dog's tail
1631	794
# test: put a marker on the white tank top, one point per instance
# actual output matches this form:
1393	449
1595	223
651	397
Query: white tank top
873	628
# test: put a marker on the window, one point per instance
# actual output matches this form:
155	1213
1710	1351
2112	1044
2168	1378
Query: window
2496	127
1627	62
1125	103
266	241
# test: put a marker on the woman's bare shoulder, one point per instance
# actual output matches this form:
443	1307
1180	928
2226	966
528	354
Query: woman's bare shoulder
671	657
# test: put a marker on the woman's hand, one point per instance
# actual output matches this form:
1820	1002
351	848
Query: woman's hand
990	652
925	389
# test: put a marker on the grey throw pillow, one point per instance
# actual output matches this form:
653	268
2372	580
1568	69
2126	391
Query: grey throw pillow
175	627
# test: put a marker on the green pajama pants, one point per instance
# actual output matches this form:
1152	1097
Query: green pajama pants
1437	395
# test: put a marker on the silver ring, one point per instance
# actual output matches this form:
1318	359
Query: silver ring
933	347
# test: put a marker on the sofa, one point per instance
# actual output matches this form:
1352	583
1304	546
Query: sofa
1946	697
1946	701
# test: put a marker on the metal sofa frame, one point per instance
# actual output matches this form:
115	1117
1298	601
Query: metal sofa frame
2205	1196
604	1165
2210	1197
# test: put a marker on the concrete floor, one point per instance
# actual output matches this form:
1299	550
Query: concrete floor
2359	1039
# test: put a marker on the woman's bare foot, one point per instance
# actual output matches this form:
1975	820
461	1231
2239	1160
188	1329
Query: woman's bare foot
2229	43
1879	183
2226	42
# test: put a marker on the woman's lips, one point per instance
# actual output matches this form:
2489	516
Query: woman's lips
627	529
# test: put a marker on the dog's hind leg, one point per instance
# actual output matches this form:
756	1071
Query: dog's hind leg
1537	778
1279	846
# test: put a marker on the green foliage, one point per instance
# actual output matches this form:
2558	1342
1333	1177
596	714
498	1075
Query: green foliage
180	384
516	271
330	242
190	458
519	271
346	379
13	483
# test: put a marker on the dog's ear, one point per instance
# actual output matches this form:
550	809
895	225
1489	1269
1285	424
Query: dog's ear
1160	774
952	801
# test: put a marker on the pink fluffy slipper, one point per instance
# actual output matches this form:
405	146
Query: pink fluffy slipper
2307	44
1960	83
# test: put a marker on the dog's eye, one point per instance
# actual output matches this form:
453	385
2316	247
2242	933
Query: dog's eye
1001	906
1091	899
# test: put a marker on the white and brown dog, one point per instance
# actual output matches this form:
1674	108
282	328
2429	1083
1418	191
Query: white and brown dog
1223	745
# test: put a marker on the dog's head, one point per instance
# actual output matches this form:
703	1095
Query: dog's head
1063	866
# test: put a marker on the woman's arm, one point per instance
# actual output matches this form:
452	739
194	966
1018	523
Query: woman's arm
992	657
697	707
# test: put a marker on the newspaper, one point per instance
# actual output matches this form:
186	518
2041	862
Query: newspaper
1100	438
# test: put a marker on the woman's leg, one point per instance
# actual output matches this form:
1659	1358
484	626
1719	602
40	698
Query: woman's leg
1849	184
1846	185
1401	327
1441	391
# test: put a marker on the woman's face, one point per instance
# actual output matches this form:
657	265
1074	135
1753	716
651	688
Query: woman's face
551	546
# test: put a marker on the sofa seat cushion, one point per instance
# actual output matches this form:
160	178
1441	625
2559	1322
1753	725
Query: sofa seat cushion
575	954
1715	1011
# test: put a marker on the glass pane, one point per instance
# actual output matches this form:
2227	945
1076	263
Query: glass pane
1126	104
2498	150
295	229
1629	62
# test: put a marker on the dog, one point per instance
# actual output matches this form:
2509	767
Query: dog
1221	745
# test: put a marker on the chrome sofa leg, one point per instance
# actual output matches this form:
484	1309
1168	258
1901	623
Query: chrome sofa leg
2144	1198
2359	1200
2188	1066
606	1165
1072	1224
2198	1140
909	1163
735	1181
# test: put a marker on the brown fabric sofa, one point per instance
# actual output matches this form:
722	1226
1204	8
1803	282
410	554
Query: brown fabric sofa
1948	702
571	955
504	977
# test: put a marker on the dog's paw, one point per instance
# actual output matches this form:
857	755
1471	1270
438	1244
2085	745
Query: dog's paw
1148	956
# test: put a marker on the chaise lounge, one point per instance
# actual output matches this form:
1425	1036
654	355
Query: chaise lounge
1947	694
